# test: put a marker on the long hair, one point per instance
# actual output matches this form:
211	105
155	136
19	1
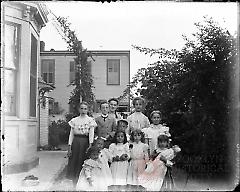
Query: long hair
138	131
114	140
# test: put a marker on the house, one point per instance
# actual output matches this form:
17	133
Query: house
20	48
110	70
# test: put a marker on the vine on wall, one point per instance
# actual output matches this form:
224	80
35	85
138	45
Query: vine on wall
83	81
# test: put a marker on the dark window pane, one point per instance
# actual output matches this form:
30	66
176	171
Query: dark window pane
116	67
44	66
51	65
72	66
45	77
113	75
33	55
50	77
33	96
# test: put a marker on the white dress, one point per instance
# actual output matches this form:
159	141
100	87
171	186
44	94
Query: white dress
104	158
119	168
137	120
91	169
153	176
152	133
137	164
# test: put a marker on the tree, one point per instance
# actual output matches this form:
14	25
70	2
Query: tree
192	89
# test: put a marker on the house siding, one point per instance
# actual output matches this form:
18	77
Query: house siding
44	123
102	91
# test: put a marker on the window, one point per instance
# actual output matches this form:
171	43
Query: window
113	72
54	108
72	71
33	76
48	70
11	55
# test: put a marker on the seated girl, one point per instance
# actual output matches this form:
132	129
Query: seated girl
153	176
91	177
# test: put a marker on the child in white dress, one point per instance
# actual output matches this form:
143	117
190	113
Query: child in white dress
105	158
119	150
153	176
137	120
91	177
138	156
154	130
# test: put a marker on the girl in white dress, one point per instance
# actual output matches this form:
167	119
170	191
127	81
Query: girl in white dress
119	150
104	158
91	177
153	176
137	120
154	130
138	156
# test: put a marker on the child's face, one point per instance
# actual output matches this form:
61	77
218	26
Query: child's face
122	126
94	156
105	108
138	106
137	137
100	144
83	109
156	118
162	144
120	137
113	106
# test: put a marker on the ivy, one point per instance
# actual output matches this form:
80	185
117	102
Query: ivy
83	81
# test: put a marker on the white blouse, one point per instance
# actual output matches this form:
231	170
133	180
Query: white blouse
119	149
137	120
153	132
83	125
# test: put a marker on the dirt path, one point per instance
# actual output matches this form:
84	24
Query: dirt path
181	183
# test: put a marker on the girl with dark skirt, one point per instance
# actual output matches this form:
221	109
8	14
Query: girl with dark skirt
80	140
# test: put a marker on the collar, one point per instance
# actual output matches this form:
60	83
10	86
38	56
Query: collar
104	116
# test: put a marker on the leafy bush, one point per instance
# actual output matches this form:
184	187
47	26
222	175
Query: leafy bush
191	88
58	132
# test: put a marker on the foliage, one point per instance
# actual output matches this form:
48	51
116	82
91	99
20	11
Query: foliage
58	132
83	79
192	89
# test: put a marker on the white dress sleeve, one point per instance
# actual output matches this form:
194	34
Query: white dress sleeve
92	126
147	123
145	151
126	149
71	135
111	150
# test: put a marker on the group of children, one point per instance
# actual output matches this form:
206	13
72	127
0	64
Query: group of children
109	150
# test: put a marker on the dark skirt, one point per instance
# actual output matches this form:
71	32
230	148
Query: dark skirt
75	162
168	183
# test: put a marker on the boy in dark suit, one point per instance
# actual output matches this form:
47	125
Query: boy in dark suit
106	125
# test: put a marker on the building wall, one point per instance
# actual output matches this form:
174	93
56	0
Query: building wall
20	130
102	91
62	91
99	71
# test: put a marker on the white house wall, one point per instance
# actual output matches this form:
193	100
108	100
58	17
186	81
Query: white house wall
99	71
62	91
20	131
